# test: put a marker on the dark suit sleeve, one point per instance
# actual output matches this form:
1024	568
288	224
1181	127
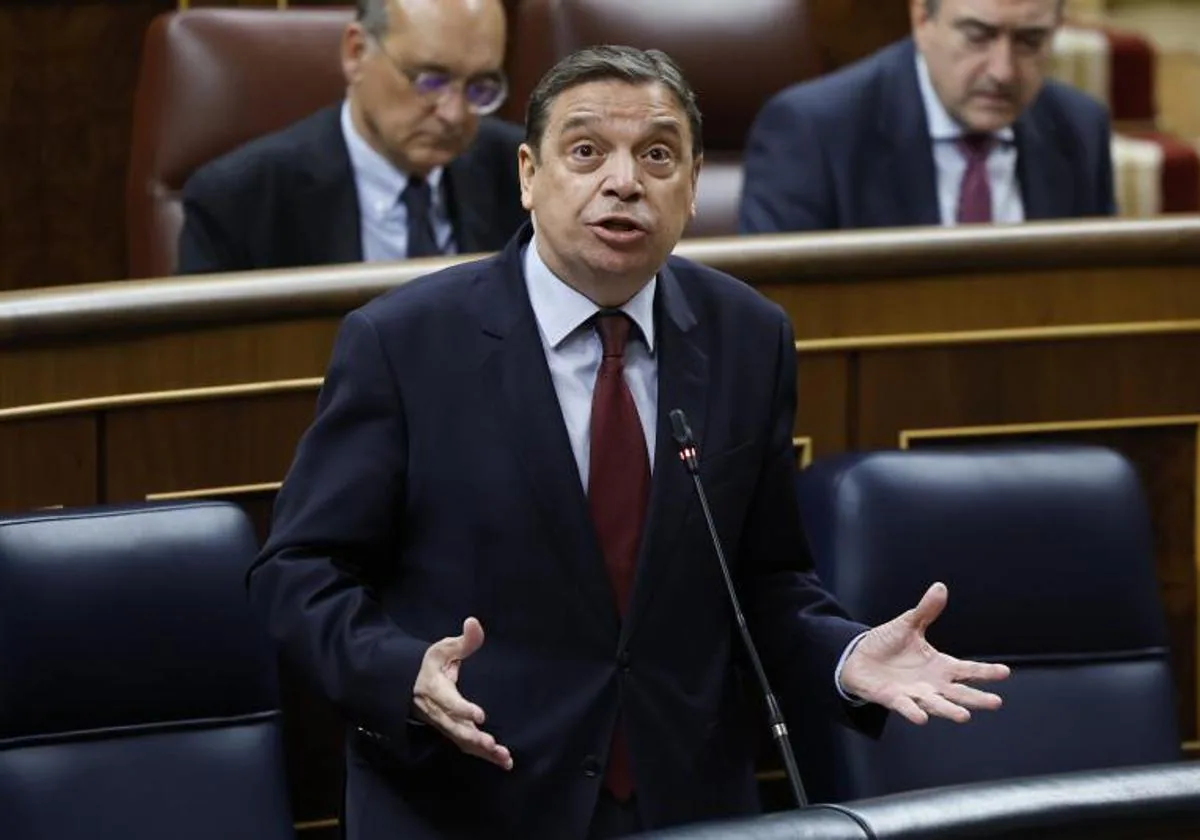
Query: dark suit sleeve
786	186
336	530
801	630
208	242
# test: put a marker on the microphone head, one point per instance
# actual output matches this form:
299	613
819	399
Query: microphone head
680	430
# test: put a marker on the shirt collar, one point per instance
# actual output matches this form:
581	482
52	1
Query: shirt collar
941	125
378	178
560	309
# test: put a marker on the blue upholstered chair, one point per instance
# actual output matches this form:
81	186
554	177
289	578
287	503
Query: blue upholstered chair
1048	557
137	692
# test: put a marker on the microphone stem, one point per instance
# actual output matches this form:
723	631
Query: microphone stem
774	715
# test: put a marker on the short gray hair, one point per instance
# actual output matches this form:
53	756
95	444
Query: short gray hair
372	15
602	63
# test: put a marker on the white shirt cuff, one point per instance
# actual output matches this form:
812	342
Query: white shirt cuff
837	674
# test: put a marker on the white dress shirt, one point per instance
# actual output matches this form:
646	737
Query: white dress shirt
950	165
573	352
383	218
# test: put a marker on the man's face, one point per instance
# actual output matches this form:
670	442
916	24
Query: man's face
987	59
612	186
417	130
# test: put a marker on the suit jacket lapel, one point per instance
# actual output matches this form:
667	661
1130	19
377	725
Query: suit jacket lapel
518	378
905	150
1047	191
327	209
683	384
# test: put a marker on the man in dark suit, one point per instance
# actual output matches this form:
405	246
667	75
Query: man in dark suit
491	450
956	125
408	165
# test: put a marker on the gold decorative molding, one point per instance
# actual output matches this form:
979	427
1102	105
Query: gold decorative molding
1048	427
803	446
997	336
214	492
907	436
144	398
314	825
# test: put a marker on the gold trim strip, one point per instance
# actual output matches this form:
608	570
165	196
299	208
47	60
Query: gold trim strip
908	435
312	825
997	336
805	444
247	389
212	492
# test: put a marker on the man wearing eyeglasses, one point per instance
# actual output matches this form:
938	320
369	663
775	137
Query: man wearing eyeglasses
408	165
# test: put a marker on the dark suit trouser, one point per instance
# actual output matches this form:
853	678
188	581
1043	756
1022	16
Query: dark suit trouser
614	819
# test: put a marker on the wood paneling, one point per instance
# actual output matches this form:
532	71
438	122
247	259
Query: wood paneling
198	445
823	384
851	29
68	71
1036	382
132	364
47	462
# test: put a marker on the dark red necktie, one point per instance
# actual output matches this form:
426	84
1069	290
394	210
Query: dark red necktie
975	194
618	492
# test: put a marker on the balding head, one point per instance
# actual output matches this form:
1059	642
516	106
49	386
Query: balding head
391	55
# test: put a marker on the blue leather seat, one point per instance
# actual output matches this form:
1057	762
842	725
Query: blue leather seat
1047	554
137	692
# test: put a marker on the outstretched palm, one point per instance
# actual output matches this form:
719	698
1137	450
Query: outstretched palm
893	665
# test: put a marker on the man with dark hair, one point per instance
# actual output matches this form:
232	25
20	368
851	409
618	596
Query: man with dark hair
408	165
491	450
956	125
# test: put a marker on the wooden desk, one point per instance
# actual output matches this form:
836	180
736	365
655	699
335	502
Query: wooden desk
1069	331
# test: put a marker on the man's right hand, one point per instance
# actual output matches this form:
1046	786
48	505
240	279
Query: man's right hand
438	703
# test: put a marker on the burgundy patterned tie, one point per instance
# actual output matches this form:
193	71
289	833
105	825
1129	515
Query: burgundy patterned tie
975	194
618	492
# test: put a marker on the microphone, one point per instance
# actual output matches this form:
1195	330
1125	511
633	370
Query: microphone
682	432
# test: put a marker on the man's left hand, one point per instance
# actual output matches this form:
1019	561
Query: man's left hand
893	665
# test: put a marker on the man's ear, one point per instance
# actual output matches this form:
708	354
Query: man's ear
527	164
354	50
696	167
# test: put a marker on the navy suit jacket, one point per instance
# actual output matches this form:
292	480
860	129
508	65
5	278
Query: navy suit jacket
437	482
852	150
288	199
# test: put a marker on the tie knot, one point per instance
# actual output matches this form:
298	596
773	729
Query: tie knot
417	195
976	147
613	326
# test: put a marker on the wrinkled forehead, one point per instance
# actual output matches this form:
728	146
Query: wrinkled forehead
618	109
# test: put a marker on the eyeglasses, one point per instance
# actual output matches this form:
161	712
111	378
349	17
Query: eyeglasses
483	93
